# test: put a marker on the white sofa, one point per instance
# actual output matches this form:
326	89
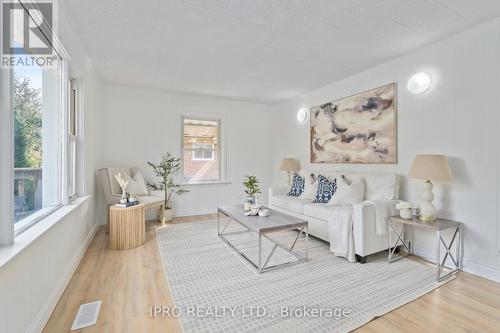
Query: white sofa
378	187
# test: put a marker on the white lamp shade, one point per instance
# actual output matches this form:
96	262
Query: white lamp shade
419	83
431	167
289	164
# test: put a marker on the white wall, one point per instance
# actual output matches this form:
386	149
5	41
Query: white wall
142	124
32	282
459	117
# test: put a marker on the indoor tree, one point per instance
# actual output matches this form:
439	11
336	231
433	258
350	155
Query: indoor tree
165	170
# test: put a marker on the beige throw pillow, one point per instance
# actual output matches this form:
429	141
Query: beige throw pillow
348	194
136	185
310	186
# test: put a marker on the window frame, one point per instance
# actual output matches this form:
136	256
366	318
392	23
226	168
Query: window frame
31	220
218	151
9	230
7	160
74	137
212	150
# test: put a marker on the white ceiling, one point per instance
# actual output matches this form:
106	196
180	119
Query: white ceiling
257	50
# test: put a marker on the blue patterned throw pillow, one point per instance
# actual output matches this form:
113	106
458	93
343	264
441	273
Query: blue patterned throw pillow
297	186
326	189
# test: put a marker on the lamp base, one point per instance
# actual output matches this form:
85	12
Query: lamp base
427	209
426	219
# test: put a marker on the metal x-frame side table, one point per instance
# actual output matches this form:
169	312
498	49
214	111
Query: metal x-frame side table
438	225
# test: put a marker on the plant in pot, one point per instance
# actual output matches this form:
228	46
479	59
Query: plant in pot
252	186
165	170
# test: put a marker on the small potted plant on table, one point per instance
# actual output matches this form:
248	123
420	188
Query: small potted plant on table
165	170
252	189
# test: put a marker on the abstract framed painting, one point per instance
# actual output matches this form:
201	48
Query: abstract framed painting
356	129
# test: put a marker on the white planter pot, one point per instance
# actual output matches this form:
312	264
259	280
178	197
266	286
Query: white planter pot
166	215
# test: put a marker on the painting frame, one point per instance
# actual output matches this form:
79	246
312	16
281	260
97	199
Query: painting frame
367	95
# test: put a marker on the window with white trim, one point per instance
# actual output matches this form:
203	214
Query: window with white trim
36	149
37	107
201	150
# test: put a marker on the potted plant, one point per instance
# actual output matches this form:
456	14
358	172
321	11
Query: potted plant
252	188
165	170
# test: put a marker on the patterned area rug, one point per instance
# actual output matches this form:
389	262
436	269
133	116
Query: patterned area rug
215	290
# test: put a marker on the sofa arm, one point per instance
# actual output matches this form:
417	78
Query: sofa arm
366	239
273	191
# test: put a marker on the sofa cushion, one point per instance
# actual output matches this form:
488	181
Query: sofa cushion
377	186
310	185
381	187
348	194
326	189
290	203
297	187
149	200
136	185
319	211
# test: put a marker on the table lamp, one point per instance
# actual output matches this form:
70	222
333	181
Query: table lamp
289	165
429	168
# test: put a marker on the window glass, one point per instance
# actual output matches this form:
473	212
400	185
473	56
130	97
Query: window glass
201	150
37	142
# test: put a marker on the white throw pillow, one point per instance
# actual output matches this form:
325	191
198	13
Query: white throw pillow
381	187
348	194
310	186
136	185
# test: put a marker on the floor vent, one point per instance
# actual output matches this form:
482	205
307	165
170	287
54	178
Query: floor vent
87	315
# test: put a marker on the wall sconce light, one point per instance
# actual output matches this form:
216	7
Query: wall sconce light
419	83
302	115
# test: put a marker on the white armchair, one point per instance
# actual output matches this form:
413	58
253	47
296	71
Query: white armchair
112	191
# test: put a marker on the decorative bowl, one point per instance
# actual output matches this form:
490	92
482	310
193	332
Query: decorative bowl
264	212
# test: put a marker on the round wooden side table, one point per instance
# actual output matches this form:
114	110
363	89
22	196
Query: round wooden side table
127	227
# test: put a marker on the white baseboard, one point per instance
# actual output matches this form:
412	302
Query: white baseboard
487	272
43	315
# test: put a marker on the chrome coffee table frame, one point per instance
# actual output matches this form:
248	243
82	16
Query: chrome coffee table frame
263	226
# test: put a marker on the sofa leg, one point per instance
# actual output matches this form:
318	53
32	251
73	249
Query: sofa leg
360	259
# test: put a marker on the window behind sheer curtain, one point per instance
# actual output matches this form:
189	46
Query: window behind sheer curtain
201	150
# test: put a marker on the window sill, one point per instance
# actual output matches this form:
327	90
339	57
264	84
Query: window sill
23	240
210	182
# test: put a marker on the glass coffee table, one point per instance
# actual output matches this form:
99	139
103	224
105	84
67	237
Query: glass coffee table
263	227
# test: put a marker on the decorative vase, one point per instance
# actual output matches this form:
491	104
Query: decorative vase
124	196
405	213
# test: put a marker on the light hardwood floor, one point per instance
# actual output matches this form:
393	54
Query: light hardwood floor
130	282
